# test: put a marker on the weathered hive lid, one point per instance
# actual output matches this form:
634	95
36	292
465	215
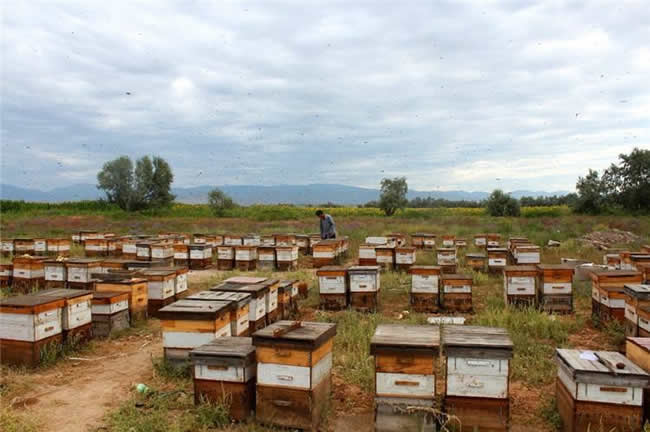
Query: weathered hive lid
420	234
123	281
194	310
555	267
235	287
225	347
240	298
30	303
177	269
614	273
157	272
300	334
407	248
475	255
640	256
604	367
245	280
641	342
639	291
55	262
425	267
456	276
364	269
497	249
83	261
520	268
63	293
107	297
477	341
399	337
446	249
330	269
199	246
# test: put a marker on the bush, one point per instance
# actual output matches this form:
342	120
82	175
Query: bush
502	204
219	202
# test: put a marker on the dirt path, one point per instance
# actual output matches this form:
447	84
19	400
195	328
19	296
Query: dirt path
75	395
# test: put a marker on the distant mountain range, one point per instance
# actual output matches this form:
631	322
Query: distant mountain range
251	194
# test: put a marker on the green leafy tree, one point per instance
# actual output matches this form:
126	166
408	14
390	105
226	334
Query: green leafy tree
146	186
502	204
591	194
628	184
219	202
393	195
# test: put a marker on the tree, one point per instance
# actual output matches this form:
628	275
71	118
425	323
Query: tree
148	186
393	195
502	204
219	202
628	184
591	194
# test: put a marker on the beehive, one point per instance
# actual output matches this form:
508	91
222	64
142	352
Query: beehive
644	269
497	258
76	315
29	326
40	246
645	248
457	293
110	312
404	257
385	256
224	372
380	240
397	239
239	313
423	240
58	247
599	390
232	240
607	287
200	256
225	257
181	255
313	239
405	376
89	234
527	254
476	261
138	295
448	240
96	247
129	248
519	285
160	289
367	254
7	247
284	300
198	238
294	291
28	273
364	288
638	351
639	260
287	257
493	240
446	256
612	261
6	274
478	376
285	239
272	312
114	264
259	298
555	288
269	240
252	240
214	240
480	240
302	241
425	288
246	258
143	250
80	272
55	272
332	287
266	257
24	246
294	362
163	252
513	242
325	253
636	297
460	243
188	324
114	246
180	285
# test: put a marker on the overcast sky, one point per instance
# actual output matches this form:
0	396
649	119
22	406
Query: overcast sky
453	95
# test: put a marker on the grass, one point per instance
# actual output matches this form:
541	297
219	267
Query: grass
12	421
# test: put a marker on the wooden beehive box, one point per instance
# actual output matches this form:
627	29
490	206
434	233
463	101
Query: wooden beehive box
114	264
446	256
7	247
76	315
607	289
29	326
364	287
96	247
636	297
246	257
285	239
313	239
644	269
58	246
89	234
198	238
302	241
512	242
252	240
423	240
28	273
476	261
612	261
639	260
55	273
6	274
269	240
40	246
180	285
110	312
200	256
284	300
497	258
478	376
114	246
163	252
493	240
143	250
80	272
519	286
160	289
215	240
129	248
367	254
480	240
637	349
380	240
527	254
294	362
457	292
240	308
398	239
23	246
385	256
224	372
272	312
405	376
181	255
232	240
259	298
266	257
325	253
460	243
188	324
555	288
138	295
425	288
292	288
332	287
599	390
404	257
225	257
287	257
448	240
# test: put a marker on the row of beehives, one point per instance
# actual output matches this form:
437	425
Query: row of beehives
236	307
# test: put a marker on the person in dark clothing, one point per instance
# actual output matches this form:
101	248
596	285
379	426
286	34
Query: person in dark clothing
327	225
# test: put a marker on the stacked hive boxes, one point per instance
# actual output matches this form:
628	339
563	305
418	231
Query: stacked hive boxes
637	297
245	257
404	257
110	312
519	285
259	298
425	283
555	288
447	259
333	287
287	257
160	288
367	254
200	256
364	283
385	256
76	315
423	240
239	312
294	361
637	349
476	261
457	293
405	360
137	290
28	273
80	272
497	258
608	297
56	273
